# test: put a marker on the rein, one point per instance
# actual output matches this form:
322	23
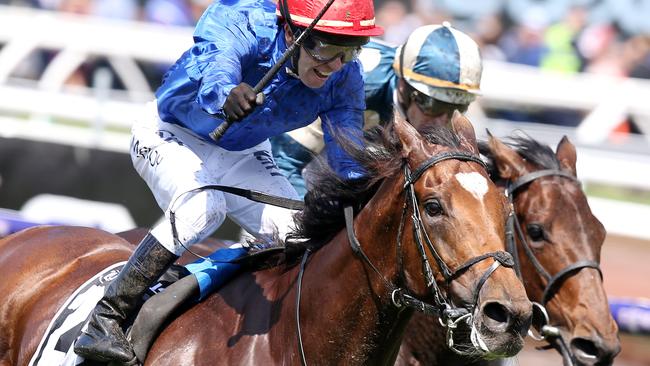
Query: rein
501	258
448	314
251	194
553	283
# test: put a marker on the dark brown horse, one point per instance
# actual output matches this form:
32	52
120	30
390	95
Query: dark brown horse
558	243
428	237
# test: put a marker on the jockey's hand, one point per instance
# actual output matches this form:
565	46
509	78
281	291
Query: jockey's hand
241	102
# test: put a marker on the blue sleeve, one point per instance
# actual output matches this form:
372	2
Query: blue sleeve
224	47
379	78
346	117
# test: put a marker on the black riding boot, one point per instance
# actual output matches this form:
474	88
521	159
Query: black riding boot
104	340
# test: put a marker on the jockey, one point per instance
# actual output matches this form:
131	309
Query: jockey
235	43
436	71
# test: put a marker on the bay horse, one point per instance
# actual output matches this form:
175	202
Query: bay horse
558	244
426	235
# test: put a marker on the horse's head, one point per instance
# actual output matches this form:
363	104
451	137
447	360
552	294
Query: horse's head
450	250
559	242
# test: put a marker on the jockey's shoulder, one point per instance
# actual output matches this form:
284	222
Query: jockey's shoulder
380	43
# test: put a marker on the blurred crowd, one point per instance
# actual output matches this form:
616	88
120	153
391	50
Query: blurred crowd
573	41
167	12
570	44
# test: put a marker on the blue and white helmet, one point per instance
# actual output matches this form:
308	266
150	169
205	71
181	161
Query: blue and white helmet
441	62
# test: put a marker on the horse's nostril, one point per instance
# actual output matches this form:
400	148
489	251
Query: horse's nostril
585	350
496	311
496	316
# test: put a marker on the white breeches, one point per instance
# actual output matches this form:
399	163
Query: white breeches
173	161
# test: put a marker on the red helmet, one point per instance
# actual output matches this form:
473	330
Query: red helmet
344	17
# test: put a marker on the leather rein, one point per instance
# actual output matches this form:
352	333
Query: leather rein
449	315
554	282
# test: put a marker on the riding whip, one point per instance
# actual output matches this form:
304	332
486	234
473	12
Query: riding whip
218	132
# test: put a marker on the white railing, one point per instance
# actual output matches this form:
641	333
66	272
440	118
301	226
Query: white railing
607	99
626	164
76	37
23	30
103	117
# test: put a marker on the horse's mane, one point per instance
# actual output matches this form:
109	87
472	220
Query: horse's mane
380	155
531	150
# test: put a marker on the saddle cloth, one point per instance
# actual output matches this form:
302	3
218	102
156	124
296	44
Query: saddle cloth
56	347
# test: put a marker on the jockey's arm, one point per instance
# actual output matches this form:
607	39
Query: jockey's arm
224	46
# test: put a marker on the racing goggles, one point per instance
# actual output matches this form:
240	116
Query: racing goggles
434	107
324	52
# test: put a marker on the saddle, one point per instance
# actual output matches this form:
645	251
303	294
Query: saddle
185	286
175	292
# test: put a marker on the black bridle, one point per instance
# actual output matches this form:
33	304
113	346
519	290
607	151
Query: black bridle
554	282
443	306
449	315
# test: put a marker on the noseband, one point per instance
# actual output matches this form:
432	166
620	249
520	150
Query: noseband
553	283
449	315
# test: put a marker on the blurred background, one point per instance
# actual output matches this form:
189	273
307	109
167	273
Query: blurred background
74	74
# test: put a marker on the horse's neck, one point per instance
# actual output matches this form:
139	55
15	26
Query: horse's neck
362	326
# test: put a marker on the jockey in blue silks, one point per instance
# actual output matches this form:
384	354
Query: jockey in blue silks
235	43
436	71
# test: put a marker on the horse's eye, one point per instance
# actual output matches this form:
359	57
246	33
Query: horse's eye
433	207
535	232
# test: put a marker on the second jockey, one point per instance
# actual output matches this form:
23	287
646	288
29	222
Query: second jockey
436	71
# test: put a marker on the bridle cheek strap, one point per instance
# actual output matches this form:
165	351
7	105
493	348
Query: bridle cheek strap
513	228
500	257
553	283
399	297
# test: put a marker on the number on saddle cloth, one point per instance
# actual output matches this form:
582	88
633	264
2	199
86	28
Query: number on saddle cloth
56	346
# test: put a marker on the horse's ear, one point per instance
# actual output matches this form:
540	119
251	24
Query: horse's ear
566	155
507	160
465	131
408	135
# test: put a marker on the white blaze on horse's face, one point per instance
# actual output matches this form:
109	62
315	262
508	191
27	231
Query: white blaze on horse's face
473	182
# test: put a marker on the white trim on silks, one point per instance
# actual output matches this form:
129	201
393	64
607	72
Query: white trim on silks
81	307
369	58
310	136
